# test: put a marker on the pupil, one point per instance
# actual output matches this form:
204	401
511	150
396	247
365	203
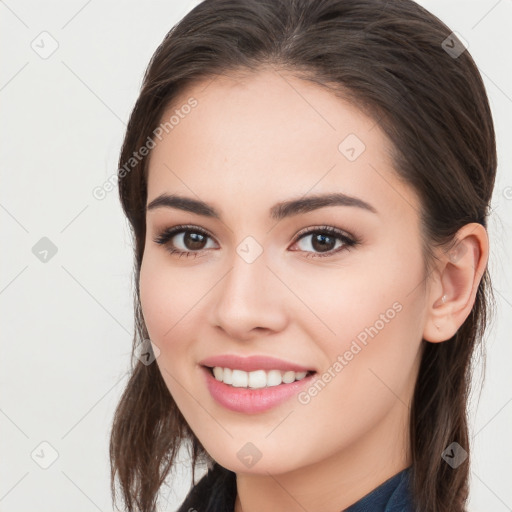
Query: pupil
195	239
322	246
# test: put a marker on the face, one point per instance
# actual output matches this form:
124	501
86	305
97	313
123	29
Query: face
333	289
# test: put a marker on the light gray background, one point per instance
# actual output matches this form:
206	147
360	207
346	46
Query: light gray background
67	323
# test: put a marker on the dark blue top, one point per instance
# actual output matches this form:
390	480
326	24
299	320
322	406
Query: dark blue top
393	495
216	492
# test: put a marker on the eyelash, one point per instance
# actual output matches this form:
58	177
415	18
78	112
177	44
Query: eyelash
167	234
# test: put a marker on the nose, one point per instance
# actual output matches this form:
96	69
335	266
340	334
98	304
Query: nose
249	300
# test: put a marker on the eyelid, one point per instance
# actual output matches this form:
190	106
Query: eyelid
312	229
183	227
168	233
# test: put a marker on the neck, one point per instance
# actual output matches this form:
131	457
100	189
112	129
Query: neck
333	484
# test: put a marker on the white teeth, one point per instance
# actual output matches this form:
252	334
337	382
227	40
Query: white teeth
288	377
274	378
255	379
227	375
240	379
218	372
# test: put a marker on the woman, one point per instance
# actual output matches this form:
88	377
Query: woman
308	184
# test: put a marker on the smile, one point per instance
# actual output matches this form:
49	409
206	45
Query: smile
255	379
239	396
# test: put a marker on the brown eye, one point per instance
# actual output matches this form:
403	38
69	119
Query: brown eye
321	242
183	240
325	241
193	241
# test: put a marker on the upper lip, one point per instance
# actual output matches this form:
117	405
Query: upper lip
252	363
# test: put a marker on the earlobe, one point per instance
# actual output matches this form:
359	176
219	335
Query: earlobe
460	270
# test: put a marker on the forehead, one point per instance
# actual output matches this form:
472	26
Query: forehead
268	136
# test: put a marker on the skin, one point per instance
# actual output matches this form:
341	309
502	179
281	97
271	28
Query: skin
251	142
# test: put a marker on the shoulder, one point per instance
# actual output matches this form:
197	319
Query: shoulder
215	492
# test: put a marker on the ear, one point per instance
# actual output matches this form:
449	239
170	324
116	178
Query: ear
453	290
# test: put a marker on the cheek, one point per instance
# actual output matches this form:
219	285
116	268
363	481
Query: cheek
153	298
374	359
171	300
368	327
165	304
167	297
335	307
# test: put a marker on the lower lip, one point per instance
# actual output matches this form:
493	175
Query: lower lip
252	401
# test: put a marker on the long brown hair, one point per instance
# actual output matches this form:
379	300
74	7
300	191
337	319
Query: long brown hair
399	64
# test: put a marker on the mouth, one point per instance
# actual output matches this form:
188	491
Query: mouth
254	391
256	379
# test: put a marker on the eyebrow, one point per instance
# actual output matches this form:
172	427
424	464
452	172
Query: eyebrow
279	211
